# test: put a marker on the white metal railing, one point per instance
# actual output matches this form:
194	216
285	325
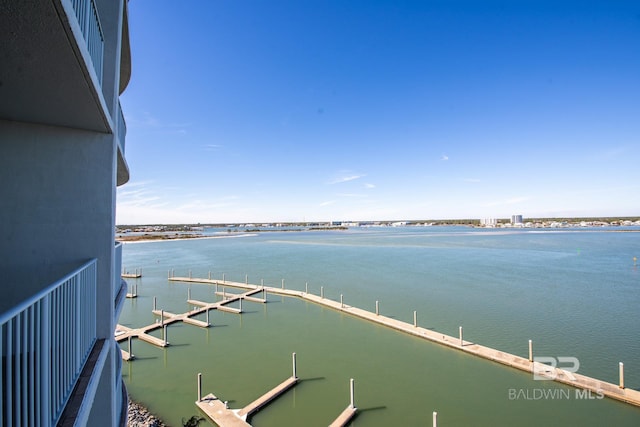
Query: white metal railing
89	22
122	128
44	343
117	271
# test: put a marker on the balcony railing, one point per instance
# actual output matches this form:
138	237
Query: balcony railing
122	128
89	22
44	343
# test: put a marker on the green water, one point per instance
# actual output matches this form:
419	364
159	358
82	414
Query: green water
399	380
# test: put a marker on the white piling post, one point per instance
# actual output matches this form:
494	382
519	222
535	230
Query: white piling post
240	305
135	292
530	351
460	330
168	274
341	301
209	274
321	291
294	365
306	287
130	350
155	301
199	387
351	387
377	308
415	319
173	273
246	279
282	283
208	324
217	286
435	419
262	282
161	318
621	367
188	293
223	277
189	274
164	333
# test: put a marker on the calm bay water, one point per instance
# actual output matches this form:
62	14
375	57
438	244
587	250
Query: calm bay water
573	292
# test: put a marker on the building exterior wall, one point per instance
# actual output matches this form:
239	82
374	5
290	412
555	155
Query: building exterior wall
59	170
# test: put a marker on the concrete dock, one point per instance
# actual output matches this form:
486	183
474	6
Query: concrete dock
614	391
123	333
220	413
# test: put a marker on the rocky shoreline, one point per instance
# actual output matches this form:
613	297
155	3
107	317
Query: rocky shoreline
139	416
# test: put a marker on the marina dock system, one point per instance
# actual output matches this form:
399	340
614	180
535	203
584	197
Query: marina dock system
219	412
614	391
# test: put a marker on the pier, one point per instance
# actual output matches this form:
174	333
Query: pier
615	391
123	333
220	413
135	275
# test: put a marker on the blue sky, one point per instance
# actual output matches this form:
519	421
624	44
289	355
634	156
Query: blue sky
261	111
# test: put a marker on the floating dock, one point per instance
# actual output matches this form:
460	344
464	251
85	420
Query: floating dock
614	391
220	413
135	275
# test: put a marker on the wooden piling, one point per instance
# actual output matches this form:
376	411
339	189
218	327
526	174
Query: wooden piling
530	351
199	387
621	371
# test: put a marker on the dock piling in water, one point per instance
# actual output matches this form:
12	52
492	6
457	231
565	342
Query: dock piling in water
321	291
341	301
377	308
460	331
435	419
621	368
199	387
351	384
530	351
415	319
293	356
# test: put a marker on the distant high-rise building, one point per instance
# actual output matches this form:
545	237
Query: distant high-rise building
488	222
62	132
516	219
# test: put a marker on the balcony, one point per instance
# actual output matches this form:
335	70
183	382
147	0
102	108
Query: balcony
45	342
53	63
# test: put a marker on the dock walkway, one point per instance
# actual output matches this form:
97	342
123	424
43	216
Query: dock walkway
576	380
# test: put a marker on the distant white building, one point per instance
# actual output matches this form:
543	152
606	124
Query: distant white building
516	219
488	222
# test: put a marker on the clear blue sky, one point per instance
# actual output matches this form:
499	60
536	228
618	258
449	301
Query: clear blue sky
273	110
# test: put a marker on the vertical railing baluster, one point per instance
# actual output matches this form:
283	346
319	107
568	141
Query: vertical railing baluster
9	373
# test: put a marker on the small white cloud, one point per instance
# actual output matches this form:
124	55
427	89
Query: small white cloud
327	203
369	186
345	177
444	158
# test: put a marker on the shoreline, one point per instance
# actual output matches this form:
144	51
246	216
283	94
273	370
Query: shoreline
139	416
